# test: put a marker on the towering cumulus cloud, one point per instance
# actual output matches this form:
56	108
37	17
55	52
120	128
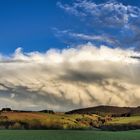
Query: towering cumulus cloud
70	78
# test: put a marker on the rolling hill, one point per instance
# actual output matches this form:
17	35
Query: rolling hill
113	111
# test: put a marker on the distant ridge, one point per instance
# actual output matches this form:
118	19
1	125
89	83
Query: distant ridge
114	111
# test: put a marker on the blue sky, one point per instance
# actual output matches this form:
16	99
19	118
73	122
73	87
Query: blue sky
37	25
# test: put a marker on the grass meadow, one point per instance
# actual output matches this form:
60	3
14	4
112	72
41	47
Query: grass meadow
125	120
68	135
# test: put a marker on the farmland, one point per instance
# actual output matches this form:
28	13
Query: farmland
67	135
62	121
36	120
61	126
125	120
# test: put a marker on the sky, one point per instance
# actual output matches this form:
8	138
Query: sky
69	54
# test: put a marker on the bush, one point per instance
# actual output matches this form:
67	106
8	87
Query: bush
17	125
34	124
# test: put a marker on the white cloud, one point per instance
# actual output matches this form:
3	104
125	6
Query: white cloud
111	23
70	78
102	38
109	13
70	9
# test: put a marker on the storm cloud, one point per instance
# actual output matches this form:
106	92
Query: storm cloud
70	78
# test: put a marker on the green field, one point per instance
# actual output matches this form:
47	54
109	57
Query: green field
67	135
126	120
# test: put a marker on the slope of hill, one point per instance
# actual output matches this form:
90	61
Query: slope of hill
136	111
108	110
